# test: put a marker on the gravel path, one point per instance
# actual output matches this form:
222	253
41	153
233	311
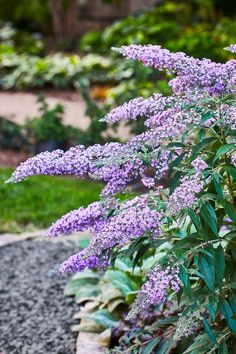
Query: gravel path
35	316
18	106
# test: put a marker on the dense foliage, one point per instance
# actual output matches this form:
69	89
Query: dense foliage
186	160
11	135
22	71
192	27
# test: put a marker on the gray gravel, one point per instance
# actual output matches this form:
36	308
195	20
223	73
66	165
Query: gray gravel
35	316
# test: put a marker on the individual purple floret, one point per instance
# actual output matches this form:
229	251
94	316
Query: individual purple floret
155	290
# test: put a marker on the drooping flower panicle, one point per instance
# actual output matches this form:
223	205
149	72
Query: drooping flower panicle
185	195
156	288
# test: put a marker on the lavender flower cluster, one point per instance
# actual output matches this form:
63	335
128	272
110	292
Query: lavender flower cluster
93	218
83	260
185	195
132	220
191	73
156	288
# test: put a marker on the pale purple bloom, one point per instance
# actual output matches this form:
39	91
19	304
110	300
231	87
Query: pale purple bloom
191	73
132	220
185	195
93	217
155	290
199	164
138	107
233	159
83	260
148	182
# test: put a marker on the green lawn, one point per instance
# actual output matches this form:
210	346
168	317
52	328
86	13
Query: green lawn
38	201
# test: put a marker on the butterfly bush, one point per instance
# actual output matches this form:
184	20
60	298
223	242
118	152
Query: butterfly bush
185	160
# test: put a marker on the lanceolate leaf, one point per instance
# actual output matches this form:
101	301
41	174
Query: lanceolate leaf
165	347
201	345
230	210
151	345
219	265
194	218
209	216
228	313
212	307
209	331
201	145
231	170
217	184
222	348
223	150
207	269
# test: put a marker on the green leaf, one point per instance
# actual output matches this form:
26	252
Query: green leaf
223	150
229	208
209	331
175	144
219	265
165	348
222	348
88	292
231	285
86	274
231	170
209	216
151	345
232	302
164	322
79	281
121	281
217	185
102	317
200	345
195	220
207	269
184	277
129	299
231	133
212	307
228	313
201	145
